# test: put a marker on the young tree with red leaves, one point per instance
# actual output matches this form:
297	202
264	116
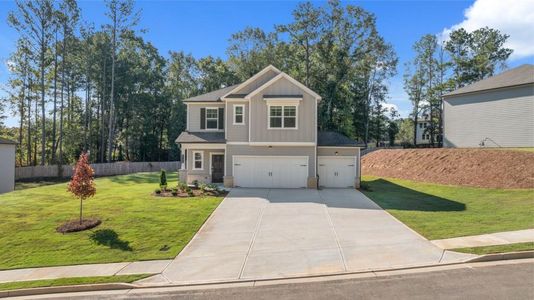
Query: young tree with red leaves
82	184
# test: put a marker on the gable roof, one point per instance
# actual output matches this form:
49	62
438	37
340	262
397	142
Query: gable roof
7	142
332	138
521	75
214	96
290	79
232	94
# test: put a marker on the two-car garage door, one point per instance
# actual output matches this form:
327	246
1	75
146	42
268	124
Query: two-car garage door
270	171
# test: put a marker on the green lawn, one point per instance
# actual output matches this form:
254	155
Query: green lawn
497	248
135	224
440	211
70	281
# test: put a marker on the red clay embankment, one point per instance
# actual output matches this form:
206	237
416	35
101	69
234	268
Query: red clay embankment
467	167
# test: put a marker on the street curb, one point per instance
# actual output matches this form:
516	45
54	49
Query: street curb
503	256
253	282
66	289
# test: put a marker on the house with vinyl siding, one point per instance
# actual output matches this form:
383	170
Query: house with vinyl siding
494	112
263	133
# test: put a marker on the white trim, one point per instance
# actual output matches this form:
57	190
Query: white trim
339	147
278	77
242	114
216	153
282	118
203	146
201	161
281	144
225	119
251	79
242	100
285	102
187	116
237	143
206	119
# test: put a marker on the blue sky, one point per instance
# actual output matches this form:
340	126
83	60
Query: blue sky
203	28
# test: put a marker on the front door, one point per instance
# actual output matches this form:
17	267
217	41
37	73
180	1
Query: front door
217	168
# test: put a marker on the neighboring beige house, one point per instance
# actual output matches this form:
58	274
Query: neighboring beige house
263	133
7	165
494	112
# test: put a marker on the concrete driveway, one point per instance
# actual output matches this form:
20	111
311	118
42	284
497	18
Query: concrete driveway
276	233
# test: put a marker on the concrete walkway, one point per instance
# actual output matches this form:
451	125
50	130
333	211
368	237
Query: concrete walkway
126	268
278	233
499	238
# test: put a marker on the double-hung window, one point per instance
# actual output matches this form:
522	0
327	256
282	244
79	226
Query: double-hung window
198	160
239	114
212	118
282	116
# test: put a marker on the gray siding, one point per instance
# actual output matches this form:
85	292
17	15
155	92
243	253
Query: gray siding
200	175
236	133
306	116
506	116
7	167
257	83
193	115
274	151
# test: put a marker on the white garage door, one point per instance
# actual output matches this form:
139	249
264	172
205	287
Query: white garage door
337	171
270	171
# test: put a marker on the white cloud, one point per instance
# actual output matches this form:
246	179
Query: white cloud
515	18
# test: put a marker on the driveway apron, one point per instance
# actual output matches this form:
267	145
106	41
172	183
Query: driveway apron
277	233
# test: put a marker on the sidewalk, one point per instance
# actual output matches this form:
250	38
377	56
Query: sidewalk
126	268
499	238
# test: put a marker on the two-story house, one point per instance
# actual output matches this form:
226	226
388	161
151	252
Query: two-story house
422	134
263	133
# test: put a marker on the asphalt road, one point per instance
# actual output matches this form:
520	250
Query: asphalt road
508	281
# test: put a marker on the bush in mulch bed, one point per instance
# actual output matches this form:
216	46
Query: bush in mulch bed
182	190
74	225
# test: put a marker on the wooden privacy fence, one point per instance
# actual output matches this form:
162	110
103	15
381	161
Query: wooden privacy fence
104	169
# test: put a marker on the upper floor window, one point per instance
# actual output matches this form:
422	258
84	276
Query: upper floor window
283	116
239	114
212	118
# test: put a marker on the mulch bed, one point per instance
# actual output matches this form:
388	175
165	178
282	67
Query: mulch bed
196	193
74	225
465	167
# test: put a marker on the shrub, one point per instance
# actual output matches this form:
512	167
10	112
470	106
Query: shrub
163	180
157	191
364	186
195	183
181	186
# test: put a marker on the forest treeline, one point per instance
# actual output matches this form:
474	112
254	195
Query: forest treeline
75	87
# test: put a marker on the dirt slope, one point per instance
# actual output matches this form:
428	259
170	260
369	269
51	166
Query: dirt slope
467	167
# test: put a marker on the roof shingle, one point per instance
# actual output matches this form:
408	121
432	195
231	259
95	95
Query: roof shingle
331	138
214	96
521	75
201	137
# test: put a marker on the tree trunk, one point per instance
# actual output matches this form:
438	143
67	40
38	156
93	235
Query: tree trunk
42	65
55	105
81	210
112	93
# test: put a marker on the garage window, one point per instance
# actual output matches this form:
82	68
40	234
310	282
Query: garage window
282	116
198	159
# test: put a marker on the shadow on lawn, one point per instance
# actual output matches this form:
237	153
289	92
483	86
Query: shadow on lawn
393	196
108	237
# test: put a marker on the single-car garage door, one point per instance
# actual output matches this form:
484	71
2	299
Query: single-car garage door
337	171
270	171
